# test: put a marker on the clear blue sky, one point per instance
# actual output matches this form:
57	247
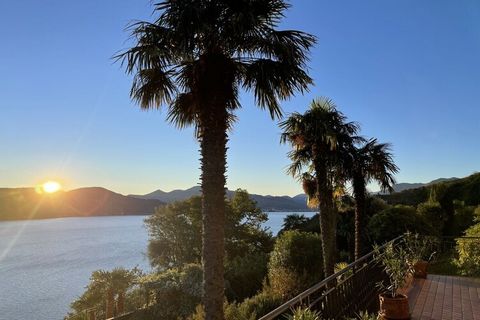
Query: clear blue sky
408	71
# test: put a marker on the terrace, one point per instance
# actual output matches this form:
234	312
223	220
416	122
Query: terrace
354	289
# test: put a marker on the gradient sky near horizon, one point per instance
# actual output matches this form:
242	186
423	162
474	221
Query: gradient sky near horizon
407	71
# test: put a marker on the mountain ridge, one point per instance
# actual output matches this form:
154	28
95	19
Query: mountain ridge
26	203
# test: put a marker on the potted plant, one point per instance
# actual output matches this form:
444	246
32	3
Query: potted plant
420	251
394	259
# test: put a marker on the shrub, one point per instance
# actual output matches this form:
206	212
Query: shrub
395	221
468	251
244	275
432	212
254	307
295	263
174	293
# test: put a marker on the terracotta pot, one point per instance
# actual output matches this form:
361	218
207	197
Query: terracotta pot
394	308
421	269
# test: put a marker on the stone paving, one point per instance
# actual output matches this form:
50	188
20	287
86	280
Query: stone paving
445	298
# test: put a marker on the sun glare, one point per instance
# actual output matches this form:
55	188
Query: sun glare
51	187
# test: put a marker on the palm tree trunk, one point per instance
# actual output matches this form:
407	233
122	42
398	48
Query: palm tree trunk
213	144
359	195
328	224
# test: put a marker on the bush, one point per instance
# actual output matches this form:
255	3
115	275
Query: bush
254	307
250	309
468	260
174	293
395	221
432	212
244	276
295	263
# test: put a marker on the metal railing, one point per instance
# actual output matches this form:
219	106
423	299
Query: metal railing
344	293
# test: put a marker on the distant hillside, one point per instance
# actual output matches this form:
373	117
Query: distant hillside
407	186
446	190
266	203
25	203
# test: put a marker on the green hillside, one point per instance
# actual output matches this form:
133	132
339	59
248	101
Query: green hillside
465	189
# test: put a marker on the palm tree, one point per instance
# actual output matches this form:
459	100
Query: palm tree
194	58
320	138
370	161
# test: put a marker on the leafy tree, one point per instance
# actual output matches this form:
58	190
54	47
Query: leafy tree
194	58
104	285
434	214
294	222
395	221
174	293
320	139
176	229
294	263
370	161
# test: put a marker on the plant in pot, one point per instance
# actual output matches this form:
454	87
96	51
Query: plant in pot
420	251
394	259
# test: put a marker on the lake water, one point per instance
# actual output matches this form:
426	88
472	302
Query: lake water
45	264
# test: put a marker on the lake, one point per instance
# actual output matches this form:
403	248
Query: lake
45	264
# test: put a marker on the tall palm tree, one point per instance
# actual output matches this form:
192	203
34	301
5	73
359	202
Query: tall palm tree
194	58
370	161
320	138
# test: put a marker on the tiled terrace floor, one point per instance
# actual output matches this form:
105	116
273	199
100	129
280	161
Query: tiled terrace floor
445	298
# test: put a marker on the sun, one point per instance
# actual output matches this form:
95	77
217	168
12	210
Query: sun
51	186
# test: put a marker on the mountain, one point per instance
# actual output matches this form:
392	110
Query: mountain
26	203
399	187
266	203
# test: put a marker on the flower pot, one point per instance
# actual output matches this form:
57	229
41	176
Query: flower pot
420	269
394	308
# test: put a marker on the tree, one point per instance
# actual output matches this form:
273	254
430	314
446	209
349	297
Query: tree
176	230
103	286
194	58
294	222
320	139
395	221
370	161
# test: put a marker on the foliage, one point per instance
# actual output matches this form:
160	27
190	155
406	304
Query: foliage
432	211
294	222
320	139
254	307
453	197
369	161
176	231
244	275
419	248
303	314
118	280
175	292
395	221
295	263
364	315
463	217
394	259
468	250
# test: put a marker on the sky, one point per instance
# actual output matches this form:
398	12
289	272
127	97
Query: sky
407	71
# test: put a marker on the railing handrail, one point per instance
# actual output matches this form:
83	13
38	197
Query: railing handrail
300	297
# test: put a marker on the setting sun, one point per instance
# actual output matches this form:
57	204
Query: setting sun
51	187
